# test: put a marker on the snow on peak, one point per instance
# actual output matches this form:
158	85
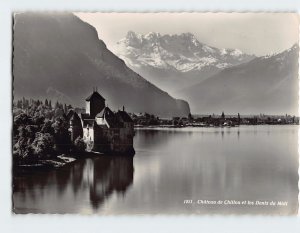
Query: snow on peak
236	52
131	34
187	35
232	52
152	35
181	52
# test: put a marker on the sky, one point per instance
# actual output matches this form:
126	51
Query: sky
253	33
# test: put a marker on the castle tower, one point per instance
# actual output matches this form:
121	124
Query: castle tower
95	103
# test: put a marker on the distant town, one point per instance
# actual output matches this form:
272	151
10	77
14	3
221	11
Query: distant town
222	120
150	120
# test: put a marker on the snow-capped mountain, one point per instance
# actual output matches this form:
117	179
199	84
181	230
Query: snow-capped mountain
173	61
267	84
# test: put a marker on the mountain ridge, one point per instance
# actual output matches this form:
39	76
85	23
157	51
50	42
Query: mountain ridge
59	53
171	61
267	84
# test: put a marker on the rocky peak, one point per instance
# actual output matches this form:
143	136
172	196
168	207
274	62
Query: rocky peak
176	50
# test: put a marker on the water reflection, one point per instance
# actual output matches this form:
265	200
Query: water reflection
107	175
245	163
172	165
96	178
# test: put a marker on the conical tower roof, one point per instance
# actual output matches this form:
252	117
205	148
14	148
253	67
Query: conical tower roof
96	95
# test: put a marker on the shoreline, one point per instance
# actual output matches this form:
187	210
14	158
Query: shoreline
202	126
51	164
58	162
66	159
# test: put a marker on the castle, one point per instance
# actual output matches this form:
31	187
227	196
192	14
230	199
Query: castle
102	129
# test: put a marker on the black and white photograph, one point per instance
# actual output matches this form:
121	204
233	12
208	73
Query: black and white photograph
155	113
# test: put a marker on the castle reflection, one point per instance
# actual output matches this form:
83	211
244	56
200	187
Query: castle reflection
106	175
94	179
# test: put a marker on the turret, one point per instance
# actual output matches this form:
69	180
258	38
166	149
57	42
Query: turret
95	103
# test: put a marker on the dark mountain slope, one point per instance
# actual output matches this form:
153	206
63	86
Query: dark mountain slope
264	85
58	56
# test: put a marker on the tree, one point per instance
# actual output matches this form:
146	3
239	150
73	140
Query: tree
22	119
38	119
79	144
223	115
65	109
47	127
22	150
153	121
58	112
46	102
19	104
61	134
30	131
23	102
56	105
43	145
21	132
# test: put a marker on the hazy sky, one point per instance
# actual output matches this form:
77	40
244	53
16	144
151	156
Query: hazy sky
254	33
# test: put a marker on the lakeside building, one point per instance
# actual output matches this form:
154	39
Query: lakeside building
145	119
102	129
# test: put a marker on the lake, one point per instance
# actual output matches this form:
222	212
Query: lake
240	170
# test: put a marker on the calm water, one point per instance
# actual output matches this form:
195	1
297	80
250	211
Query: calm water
243	163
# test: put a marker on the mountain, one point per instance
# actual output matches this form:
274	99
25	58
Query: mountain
174	61
266	84
60	57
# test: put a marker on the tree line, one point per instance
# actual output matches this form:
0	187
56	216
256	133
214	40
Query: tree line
41	131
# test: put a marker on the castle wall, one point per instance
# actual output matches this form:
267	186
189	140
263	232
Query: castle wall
76	131
110	133
122	140
88	134
87	107
102	139
88	137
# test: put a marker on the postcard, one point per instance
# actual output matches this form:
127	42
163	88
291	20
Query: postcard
155	113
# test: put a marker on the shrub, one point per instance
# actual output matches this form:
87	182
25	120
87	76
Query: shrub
79	144
43	145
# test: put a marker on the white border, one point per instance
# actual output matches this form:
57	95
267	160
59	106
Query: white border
76	223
